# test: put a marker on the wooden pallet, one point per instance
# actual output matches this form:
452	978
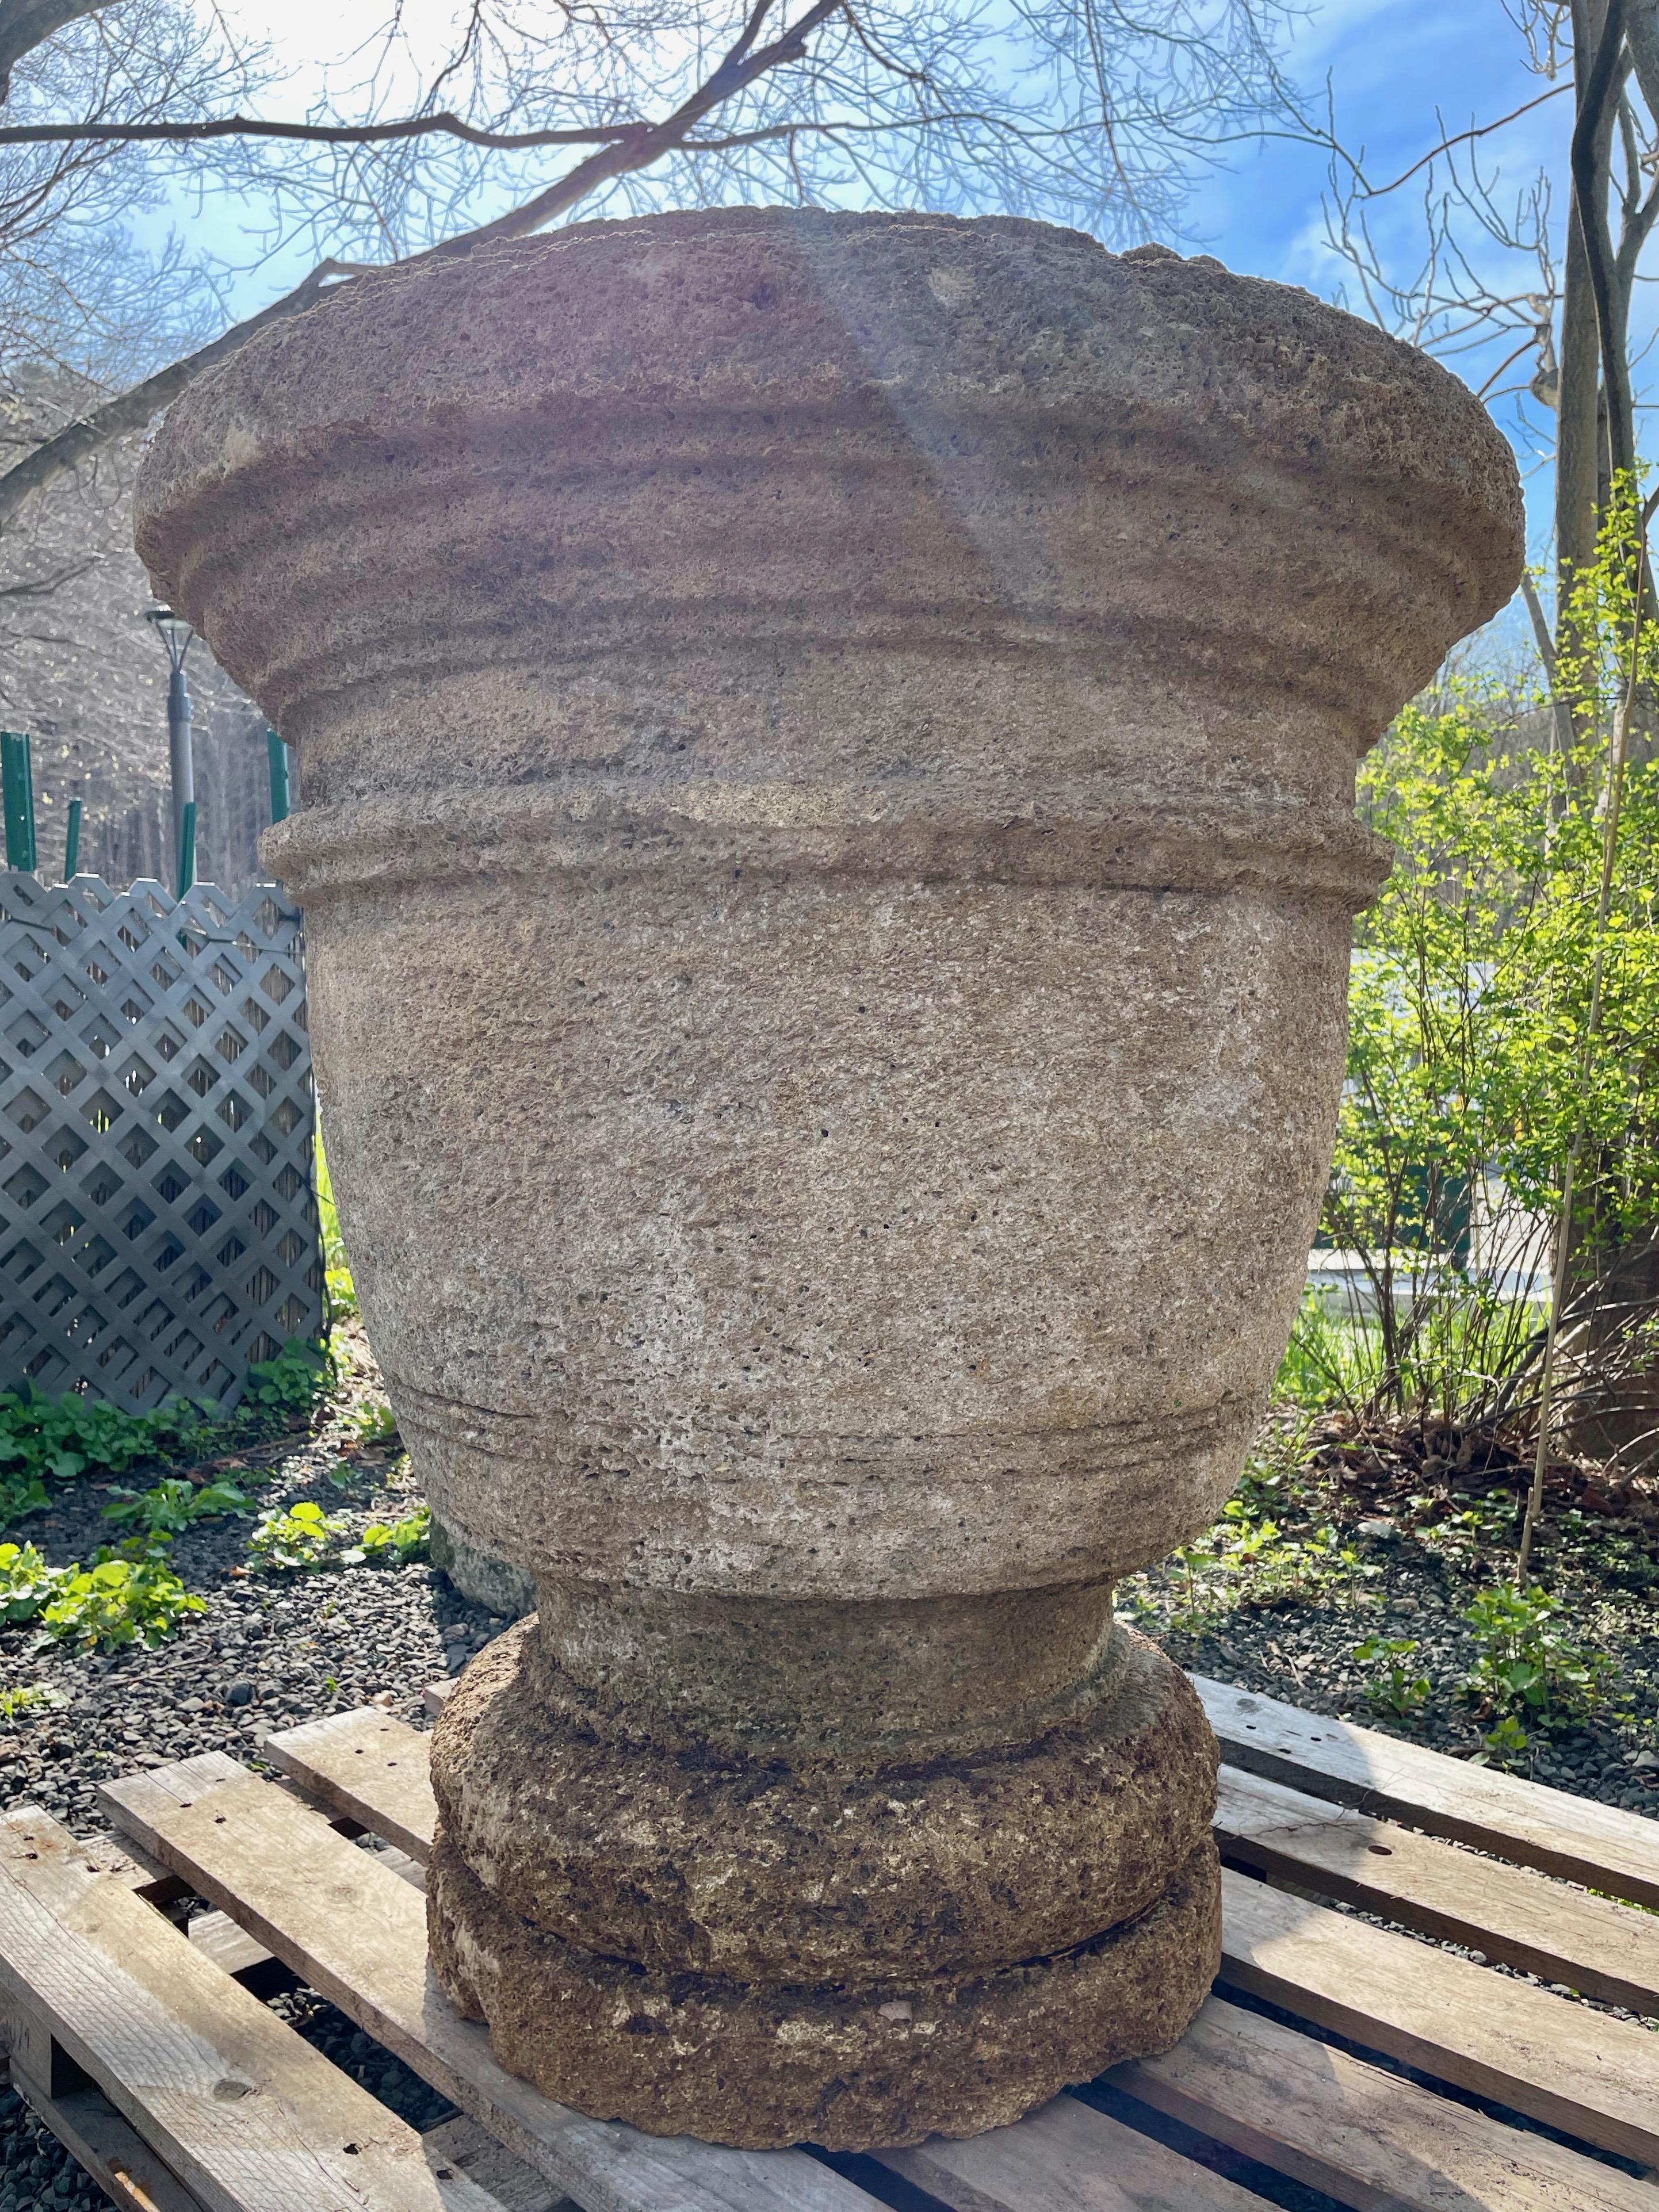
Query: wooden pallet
140	2046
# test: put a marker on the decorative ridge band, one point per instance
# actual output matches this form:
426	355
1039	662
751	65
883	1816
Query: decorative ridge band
1178	1429
1208	844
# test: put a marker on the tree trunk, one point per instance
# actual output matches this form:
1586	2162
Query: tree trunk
1580	465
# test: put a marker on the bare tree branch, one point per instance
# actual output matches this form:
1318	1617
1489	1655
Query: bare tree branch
25	24
1086	117
647	143
131	410
1458	138
314	134
636	147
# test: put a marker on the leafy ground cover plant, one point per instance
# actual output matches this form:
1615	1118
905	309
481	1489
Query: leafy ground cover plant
392	1543
57	1440
26	1583
125	1596
174	1504
1474	1069
1394	1688
31	1697
128	1595
1275	1544
293	1539
375	1423
291	1383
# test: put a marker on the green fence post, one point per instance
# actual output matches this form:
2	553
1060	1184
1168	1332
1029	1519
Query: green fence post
187	848
278	752
72	843
16	773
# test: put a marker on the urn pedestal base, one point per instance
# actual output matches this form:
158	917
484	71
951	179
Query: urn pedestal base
856	1948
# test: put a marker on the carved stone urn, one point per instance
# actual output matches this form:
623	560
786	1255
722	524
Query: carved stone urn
827	745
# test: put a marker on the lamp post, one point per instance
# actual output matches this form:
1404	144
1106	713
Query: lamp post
175	633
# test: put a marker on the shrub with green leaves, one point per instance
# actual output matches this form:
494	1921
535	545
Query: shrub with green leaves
1469	1003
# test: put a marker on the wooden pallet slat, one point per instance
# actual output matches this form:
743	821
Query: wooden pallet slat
246	2114
89	2126
1579	2070
461	2142
1599	1845
1362	2135
1511	1913
348	1759
1064	2157
340	1917
351	1928
1593	2078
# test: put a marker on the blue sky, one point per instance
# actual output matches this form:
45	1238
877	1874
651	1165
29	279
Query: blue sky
1400	73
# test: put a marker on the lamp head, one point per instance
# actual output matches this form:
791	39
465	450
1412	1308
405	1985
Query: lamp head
174	632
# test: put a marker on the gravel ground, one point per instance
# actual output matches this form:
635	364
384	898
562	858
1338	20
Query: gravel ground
269	1651
1303	1654
273	1649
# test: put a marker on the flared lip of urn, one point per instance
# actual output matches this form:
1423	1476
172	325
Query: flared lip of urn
752	308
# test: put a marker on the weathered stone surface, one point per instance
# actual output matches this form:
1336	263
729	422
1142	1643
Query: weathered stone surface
827	747
872	1869
688	2055
484	1577
831	665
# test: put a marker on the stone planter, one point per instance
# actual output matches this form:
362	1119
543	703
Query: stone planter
828	750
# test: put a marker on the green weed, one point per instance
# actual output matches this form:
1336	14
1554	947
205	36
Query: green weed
31	1697
342	1291
1395	1689
374	1423
293	1382
305	1536
122	1597
57	1440
290	1540
175	1504
126	1594
26	1583
1528	1671
394	1543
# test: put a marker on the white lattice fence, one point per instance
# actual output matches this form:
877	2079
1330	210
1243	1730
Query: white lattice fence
158	1227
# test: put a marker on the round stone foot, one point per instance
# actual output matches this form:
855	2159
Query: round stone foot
857	1947
851	2069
